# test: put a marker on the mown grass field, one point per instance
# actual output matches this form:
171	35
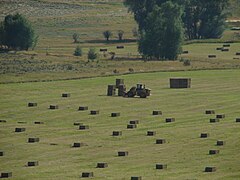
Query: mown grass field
185	153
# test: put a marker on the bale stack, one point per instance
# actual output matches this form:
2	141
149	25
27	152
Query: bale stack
121	90
180	82
119	82
111	90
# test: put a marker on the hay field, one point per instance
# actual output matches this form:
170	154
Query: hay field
185	154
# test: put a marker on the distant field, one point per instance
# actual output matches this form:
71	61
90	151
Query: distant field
185	153
56	21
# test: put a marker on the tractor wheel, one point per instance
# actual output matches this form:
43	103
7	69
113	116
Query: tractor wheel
143	95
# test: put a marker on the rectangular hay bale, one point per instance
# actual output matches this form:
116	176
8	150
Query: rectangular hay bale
210	169
212	56
53	107
212	152
160	141
226	45
32	104
76	145
220	143
155	113
115	114
3	121
119	82
161	166
123	153
94	112
209	112
111	91
87	174
131	126
136	178
116	133
168	120
1	153
102	165
83	127
121	90
134	122
32	163
220	116
237	119
33	140
214	120
38	122
151	133
6	174
225	50
237	53
204	135
120	47
66	94
180	82
20	129
77	124
83	108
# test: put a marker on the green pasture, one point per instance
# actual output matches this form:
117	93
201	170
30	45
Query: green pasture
185	153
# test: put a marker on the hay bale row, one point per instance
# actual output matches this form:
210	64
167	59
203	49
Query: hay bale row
212	152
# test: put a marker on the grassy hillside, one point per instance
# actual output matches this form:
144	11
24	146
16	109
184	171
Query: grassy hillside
185	153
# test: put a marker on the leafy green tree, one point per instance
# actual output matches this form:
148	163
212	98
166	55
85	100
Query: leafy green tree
107	34
163	34
17	33
92	55
205	19
78	51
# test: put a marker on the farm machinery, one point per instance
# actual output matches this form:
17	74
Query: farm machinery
140	90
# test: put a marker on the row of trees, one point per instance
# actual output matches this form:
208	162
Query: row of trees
163	24
16	33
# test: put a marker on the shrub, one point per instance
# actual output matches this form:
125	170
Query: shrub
78	51
92	55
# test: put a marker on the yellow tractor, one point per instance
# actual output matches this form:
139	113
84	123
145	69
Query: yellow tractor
140	91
